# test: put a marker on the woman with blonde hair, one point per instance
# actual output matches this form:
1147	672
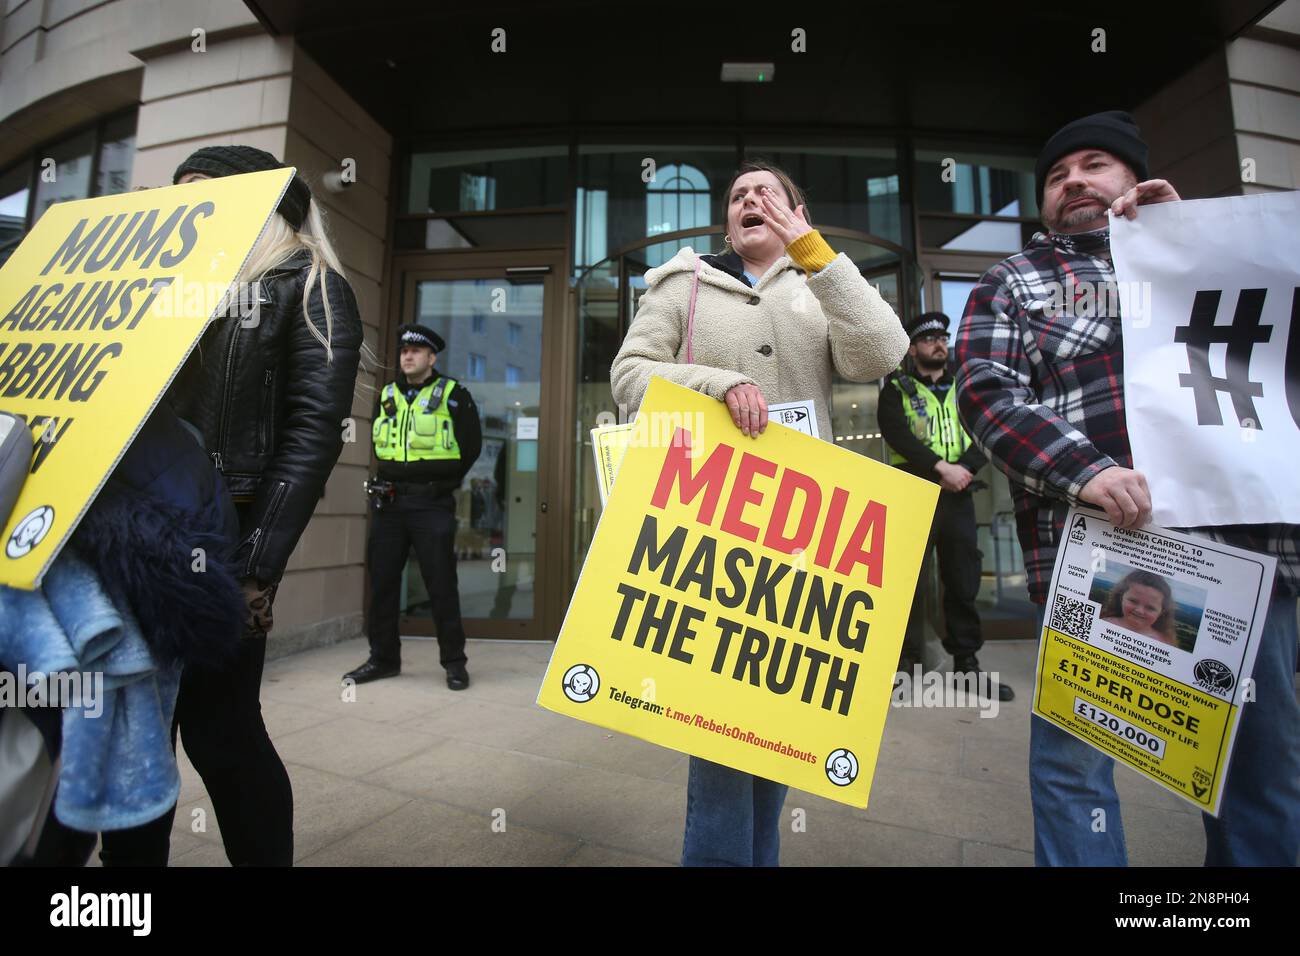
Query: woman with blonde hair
769	320
269	389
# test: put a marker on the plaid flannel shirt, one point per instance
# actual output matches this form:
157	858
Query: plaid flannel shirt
1040	366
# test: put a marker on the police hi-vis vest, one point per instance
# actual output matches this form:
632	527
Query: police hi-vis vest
419	431
933	421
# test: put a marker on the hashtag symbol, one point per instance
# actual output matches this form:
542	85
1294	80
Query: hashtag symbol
1200	332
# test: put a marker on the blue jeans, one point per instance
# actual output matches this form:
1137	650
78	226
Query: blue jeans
1259	813
732	818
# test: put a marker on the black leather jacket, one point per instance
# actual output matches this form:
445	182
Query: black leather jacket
271	407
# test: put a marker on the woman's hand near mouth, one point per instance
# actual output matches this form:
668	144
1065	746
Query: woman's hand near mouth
787	225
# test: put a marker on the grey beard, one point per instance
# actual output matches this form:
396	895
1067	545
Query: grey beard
1079	217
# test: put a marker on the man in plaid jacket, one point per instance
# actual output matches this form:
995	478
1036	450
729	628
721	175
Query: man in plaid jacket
1040	390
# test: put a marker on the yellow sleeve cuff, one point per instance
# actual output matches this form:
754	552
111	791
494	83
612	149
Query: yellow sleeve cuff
810	252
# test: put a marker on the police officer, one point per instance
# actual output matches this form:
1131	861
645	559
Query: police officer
918	419
427	435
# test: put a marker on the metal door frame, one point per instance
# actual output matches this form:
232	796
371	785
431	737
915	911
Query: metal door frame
551	589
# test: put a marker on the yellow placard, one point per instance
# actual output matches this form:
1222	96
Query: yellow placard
609	443
99	306
1158	682
1175	734
744	600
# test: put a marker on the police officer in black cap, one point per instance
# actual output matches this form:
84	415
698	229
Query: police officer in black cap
427	435
918	419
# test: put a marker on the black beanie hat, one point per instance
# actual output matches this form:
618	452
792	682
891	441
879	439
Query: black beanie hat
926	323
1114	131
232	160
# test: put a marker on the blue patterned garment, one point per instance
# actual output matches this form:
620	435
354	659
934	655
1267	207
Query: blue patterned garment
118	769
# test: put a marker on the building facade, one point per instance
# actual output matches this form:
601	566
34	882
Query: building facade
507	173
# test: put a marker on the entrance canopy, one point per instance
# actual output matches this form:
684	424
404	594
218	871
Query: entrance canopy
1016	67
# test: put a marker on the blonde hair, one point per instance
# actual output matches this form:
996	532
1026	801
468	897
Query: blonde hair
279	243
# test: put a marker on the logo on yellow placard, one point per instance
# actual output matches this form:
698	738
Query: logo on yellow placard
842	767
581	683
31	530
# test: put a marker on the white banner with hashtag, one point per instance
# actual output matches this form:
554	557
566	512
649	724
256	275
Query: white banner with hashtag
1210	303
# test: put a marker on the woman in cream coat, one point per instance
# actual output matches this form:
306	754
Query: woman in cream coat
775	316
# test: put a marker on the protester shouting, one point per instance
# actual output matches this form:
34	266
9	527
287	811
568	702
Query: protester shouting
269	389
1040	389
771	319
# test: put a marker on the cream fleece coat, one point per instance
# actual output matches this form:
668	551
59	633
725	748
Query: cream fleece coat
832	321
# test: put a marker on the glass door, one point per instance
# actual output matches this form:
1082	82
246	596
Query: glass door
498	318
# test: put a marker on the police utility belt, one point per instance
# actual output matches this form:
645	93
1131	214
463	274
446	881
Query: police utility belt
383	492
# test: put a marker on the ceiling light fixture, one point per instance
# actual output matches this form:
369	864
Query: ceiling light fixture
748	72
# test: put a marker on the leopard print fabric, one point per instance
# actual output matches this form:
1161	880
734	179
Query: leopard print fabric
259	598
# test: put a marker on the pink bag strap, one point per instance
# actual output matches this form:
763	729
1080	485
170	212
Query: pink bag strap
690	315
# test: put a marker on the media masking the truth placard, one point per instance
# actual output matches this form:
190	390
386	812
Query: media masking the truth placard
1148	642
744	600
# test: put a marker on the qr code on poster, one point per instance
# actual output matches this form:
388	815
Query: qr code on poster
1073	617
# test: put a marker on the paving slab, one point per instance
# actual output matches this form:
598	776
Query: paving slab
617	810
470	776
284	718
908	747
974	853
426	833
589	854
953	806
327	807
351	747
411	773
999	760
829	839
205	854
488	723
1158	837
589	746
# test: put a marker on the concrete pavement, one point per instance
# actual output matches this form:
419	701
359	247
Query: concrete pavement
411	773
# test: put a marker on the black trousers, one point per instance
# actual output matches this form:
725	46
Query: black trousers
953	539
429	524
219	715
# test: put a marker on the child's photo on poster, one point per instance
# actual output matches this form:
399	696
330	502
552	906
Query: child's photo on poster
1149	605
